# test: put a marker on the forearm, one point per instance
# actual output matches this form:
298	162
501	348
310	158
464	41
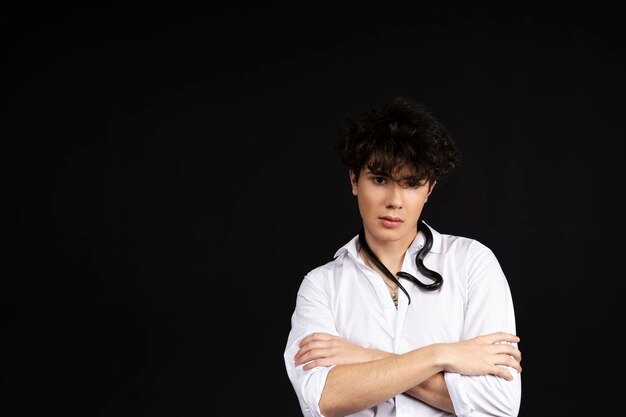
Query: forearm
361	378
433	392
354	387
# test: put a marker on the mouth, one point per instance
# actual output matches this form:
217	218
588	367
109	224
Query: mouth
391	219
390	222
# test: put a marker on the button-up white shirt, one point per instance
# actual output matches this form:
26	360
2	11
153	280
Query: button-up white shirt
347	298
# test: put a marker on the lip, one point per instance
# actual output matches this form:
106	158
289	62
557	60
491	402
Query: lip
391	219
390	222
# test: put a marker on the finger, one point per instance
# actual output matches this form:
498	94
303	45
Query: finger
314	354
506	360
308	356
298	357
312	364
316	336
499	337
506	357
300	353
502	373
511	362
507	337
505	348
304	358
315	344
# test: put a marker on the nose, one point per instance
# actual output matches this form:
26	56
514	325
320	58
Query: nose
394	197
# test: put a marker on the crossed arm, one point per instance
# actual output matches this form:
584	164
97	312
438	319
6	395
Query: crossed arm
365	377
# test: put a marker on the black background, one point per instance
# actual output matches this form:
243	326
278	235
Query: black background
172	176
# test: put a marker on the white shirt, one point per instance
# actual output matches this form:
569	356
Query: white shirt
347	298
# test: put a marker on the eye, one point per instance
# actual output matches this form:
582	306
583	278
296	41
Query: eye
379	180
415	184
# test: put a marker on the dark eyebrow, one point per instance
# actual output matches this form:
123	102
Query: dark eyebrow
403	179
407	178
370	172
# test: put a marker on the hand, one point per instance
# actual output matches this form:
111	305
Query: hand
483	355
323	349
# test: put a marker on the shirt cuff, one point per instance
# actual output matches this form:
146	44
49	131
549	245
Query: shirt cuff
312	389
462	406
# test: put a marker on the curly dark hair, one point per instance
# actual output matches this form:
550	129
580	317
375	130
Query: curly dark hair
399	134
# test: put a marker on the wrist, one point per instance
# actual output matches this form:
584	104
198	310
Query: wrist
381	354
440	356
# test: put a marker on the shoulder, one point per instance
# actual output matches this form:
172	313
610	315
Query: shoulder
467	251
341	264
473	261
476	258
461	245
321	280
327	270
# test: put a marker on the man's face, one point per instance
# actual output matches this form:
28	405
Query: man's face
390	208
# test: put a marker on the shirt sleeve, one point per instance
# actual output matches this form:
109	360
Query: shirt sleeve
489	309
311	314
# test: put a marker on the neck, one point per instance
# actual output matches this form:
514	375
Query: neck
390	253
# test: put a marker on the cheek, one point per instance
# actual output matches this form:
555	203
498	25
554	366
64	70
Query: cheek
367	204
416	201
362	204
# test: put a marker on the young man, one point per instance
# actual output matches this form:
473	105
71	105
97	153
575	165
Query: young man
405	321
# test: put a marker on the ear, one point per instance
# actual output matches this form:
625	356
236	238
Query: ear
353	182
431	187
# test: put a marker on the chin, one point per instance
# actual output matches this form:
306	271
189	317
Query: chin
391	235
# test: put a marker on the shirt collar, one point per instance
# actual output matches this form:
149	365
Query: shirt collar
352	246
